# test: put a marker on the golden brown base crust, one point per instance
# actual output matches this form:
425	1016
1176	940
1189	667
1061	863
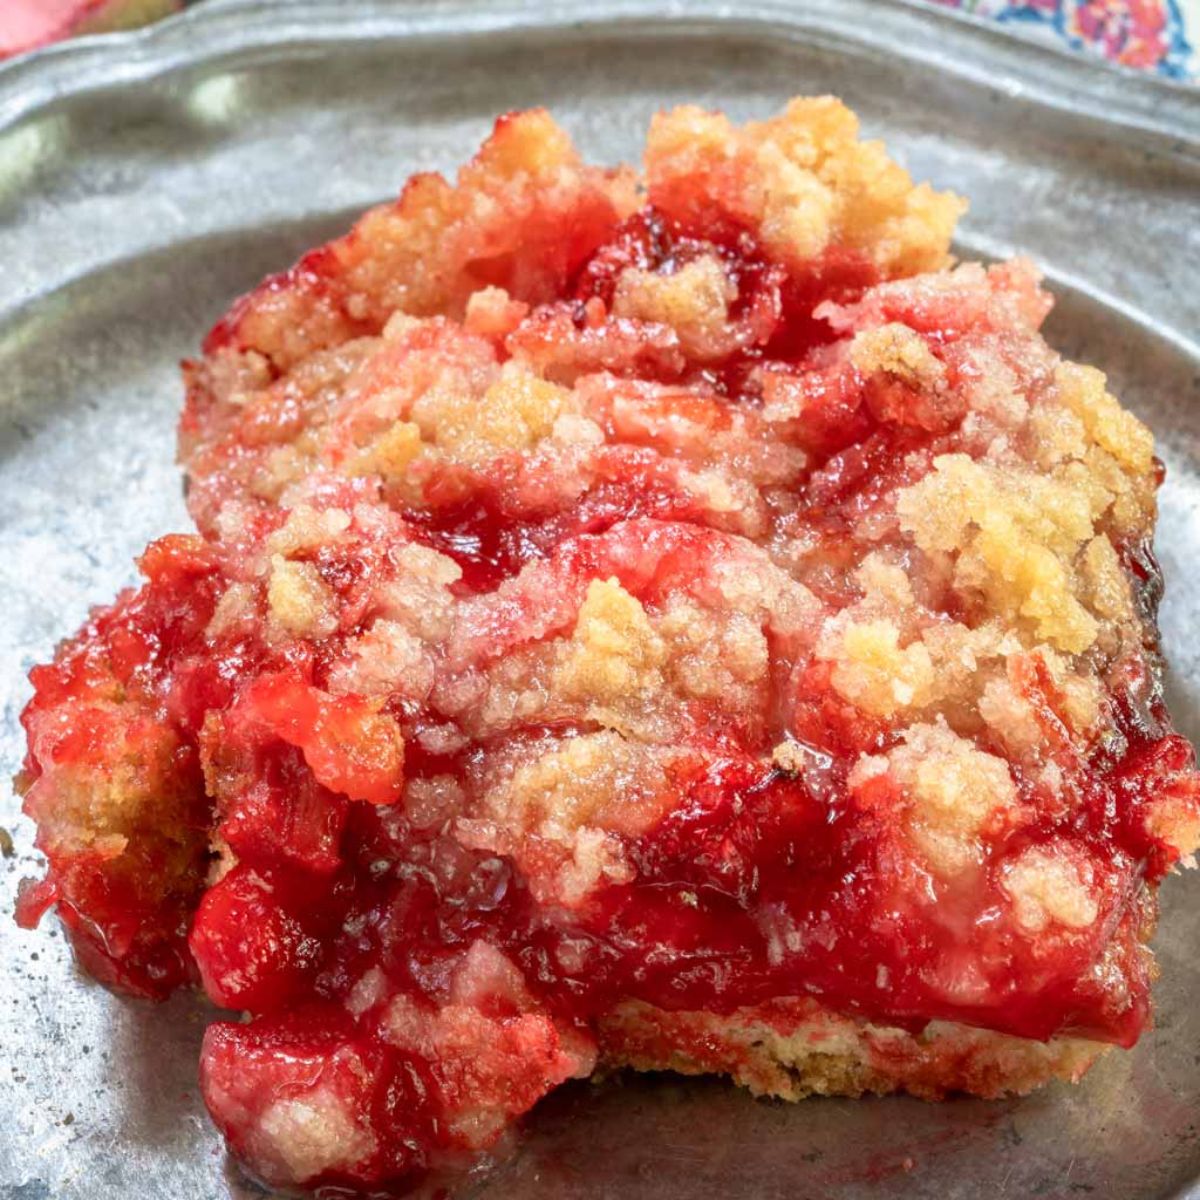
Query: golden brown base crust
793	1049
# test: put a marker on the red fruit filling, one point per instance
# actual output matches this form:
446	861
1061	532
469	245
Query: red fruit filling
692	629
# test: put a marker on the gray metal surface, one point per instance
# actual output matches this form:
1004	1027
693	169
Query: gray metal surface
145	180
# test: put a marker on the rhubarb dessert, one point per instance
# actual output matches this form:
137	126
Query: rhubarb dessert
676	619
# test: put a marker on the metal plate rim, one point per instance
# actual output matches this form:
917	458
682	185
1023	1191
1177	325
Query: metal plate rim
966	45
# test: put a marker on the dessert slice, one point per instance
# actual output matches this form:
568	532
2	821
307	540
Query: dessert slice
680	622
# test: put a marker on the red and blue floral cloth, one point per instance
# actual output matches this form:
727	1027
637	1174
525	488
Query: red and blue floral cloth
1152	35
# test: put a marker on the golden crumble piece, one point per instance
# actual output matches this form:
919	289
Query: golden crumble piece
952	790
804	181
299	602
694	302
614	650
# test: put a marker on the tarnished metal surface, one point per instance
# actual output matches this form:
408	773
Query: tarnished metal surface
144	181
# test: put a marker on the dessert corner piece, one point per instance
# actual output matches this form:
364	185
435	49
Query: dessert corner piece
682	622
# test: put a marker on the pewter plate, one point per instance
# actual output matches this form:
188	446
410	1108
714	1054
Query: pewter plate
145	180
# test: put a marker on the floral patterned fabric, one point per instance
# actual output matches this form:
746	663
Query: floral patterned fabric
1161	36
1151	35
